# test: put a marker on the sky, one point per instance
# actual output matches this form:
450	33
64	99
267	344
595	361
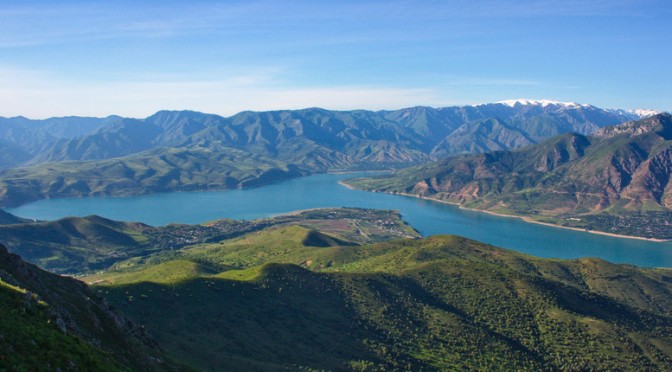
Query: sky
133	58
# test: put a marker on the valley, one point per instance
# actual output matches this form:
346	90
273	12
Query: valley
76	245
324	191
287	269
318	186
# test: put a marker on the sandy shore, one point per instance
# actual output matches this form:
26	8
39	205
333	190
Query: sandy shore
524	218
299	211
346	185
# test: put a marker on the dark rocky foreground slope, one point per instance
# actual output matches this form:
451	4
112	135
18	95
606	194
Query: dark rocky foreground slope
51	322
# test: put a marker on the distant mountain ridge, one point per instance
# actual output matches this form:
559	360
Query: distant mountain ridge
617	180
418	130
187	150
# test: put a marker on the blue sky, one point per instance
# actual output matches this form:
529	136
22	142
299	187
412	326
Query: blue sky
133	58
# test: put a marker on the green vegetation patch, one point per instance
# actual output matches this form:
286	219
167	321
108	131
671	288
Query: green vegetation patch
442	302
31	341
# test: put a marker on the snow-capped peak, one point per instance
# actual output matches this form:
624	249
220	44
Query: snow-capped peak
644	113
542	103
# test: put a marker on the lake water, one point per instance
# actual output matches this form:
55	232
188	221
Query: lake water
323	190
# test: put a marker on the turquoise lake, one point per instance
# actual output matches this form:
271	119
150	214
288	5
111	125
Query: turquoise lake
323	190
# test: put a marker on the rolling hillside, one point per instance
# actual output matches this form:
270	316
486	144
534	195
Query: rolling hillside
273	300
72	245
157	170
77	245
326	289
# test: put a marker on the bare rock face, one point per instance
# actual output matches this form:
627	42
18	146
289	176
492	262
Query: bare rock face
420	188
628	166
636	128
651	180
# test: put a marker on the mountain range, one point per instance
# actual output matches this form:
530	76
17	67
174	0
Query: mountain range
615	180
185	150
420	129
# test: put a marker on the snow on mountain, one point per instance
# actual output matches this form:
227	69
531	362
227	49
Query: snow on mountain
542	103
634	114
644	113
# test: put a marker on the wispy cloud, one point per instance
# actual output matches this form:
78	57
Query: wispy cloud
45	23
546	8
29	24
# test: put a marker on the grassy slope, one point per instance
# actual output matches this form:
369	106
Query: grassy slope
29	340
76	245
440	302
49	321
292	244
73	244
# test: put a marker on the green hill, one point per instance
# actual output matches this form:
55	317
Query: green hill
74	244
78	245
326	289
30	341
195	167
270	300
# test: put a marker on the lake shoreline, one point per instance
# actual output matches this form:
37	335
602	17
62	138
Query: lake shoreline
324	191
524	218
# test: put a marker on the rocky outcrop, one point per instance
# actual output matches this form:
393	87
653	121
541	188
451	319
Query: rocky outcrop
627	166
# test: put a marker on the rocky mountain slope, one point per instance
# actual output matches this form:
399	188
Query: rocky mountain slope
609	181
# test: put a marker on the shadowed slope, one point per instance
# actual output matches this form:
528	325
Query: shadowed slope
53	322
441	302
